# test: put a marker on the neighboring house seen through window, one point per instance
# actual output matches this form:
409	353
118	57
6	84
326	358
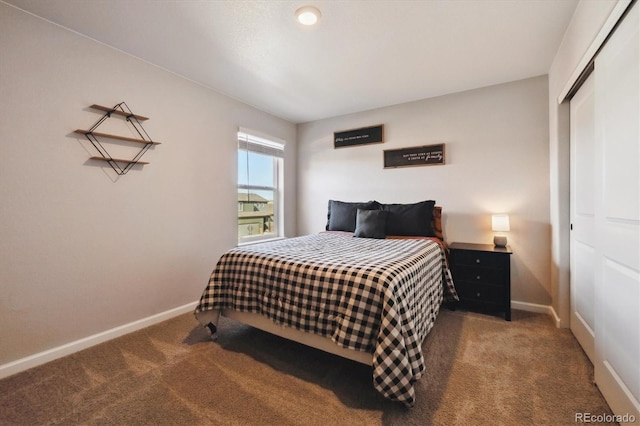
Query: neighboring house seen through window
260	164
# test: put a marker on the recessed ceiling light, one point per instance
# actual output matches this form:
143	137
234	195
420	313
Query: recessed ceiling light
308	15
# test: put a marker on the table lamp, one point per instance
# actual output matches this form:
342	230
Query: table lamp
500	223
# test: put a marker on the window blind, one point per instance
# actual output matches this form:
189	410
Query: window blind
257	144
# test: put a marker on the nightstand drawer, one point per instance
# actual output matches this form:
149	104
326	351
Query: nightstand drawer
480	293
478	258
479	275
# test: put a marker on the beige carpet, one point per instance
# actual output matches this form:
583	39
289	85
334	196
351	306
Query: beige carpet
481	370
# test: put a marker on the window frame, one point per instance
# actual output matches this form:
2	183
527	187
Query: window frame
251	141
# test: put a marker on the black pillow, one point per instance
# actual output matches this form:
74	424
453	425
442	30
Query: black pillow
410	219
342	216
370	223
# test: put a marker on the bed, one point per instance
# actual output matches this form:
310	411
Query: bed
365	289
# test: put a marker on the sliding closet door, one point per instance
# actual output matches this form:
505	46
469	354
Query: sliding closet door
582	216
617	217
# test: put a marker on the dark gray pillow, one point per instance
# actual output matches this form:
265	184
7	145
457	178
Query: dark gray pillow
410	219
371	223
341	216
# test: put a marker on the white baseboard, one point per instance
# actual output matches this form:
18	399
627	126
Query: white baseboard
35	360
556	318
534	307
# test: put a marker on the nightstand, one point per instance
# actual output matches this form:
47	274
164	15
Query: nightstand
482	276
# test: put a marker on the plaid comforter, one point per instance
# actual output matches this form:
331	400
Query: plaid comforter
379	296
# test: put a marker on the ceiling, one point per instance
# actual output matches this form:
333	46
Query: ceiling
363	54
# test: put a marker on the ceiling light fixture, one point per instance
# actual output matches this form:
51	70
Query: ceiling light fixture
308	15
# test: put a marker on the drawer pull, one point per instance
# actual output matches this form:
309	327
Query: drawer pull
478	295
477	260
478	277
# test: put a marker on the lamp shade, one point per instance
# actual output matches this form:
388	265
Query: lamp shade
500	222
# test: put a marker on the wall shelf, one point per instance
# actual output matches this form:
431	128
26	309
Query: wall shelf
121	110
117	160
110	136
118	112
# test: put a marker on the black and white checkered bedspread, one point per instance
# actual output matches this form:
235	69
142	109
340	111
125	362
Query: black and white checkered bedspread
380	296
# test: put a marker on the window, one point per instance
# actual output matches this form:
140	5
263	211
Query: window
259	188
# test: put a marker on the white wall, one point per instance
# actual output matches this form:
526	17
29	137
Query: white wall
497	159
588	19
82	251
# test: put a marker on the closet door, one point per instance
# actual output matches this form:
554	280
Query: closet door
617	217
582	216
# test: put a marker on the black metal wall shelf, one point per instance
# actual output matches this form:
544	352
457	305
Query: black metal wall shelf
120	166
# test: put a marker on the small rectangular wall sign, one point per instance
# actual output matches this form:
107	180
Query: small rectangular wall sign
364	135
427	155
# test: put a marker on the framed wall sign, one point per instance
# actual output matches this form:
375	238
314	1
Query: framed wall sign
364	135
426	155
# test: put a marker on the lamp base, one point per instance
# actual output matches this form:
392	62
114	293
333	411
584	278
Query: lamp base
500	241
